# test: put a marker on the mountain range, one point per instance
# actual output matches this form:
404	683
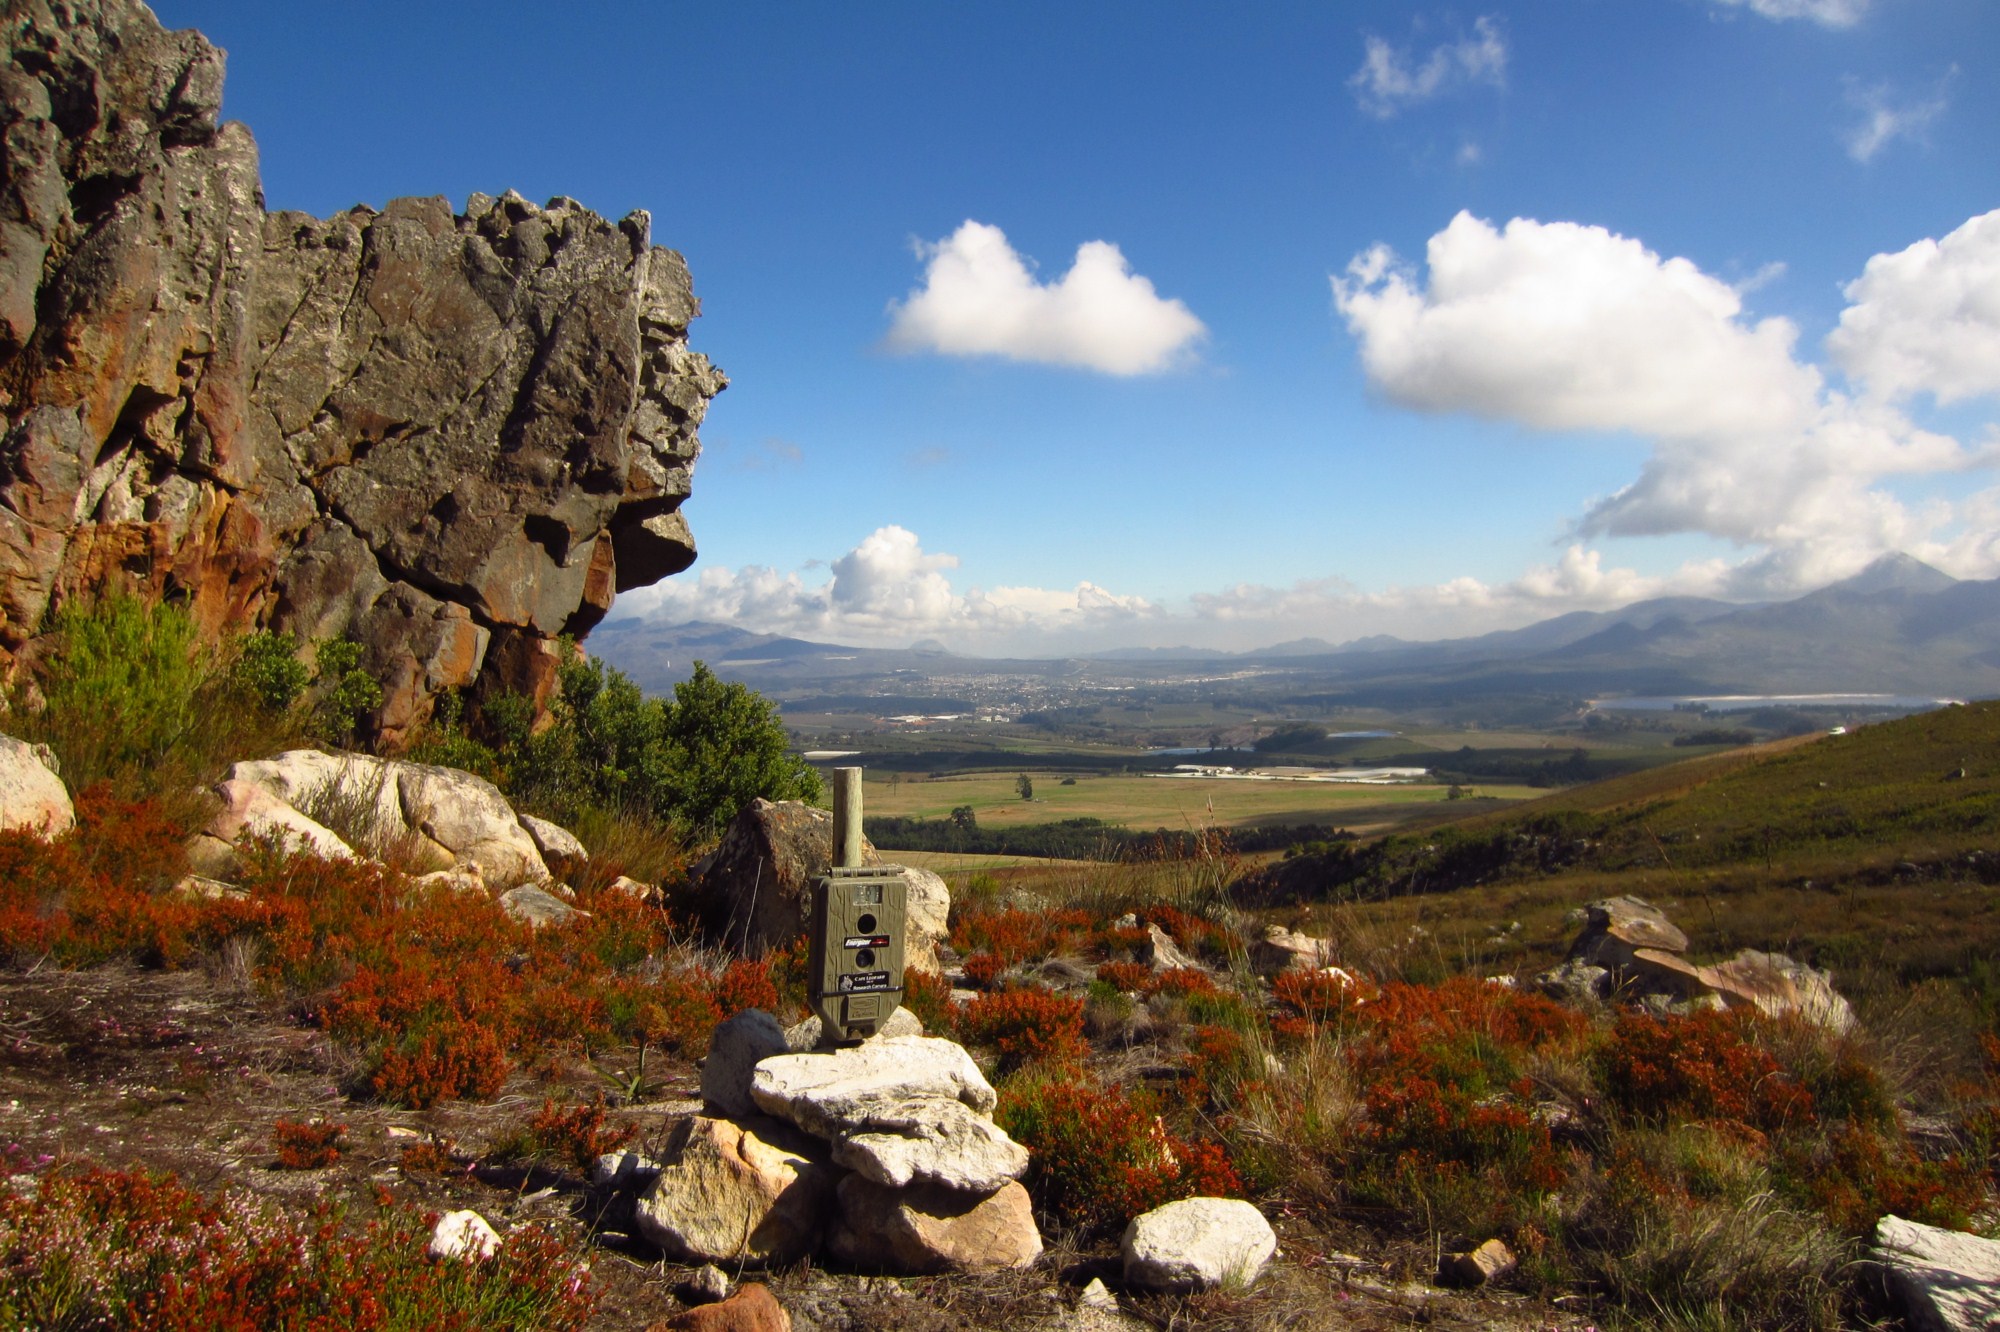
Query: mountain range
1897	627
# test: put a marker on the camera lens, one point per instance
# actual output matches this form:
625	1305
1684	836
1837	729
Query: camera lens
865	958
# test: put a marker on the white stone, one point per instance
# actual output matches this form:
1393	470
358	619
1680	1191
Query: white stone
463	1235
932	1141
733	1053
1948	1281
32	796
826	1092
252	810
1197	1244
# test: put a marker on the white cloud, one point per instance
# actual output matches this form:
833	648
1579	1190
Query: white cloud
888	590
1827	13
1927	319
1570	327
1885	118
1390	80
980	298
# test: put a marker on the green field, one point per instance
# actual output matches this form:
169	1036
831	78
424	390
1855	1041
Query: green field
1160	802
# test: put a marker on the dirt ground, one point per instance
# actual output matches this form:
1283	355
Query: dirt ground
189	1072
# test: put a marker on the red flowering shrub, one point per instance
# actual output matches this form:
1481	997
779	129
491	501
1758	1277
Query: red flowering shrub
984	969
309	1146
1443	1089
452	1059
1860	1176
1180	982
1192	932
1214	1061
577	1134
1321	996
1124	975
1101	1157
431	1155
1014	936
928	997
746	984
99	1248
1701	1066
1026	1026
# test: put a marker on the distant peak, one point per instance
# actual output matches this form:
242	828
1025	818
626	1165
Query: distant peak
1895	572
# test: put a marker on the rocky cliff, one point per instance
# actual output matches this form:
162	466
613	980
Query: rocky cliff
450	436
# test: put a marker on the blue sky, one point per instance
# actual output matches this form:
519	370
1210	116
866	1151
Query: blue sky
1060	326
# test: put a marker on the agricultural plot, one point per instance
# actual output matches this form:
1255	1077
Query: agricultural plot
1161	802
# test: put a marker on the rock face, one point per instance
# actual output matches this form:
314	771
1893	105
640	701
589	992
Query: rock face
1197	1244
1947	1281
32	796
452	436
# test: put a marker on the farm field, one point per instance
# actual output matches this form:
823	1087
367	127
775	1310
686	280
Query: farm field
1160	802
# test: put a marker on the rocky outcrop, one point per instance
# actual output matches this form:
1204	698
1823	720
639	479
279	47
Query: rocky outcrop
1629	949
452	435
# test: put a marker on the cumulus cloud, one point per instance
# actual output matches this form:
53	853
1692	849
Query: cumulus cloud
1390	80
1885	117
1827	13
1927	319
981	298
1570	327
887	590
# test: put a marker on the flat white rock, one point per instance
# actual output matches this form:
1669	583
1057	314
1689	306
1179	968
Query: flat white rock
1949	1281
833	1092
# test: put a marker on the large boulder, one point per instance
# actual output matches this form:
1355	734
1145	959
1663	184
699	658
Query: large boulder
1947	1281
248	810
1197	1244
931	1229
832	1093
453	436
730	1191
32	796
442	814
755	888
